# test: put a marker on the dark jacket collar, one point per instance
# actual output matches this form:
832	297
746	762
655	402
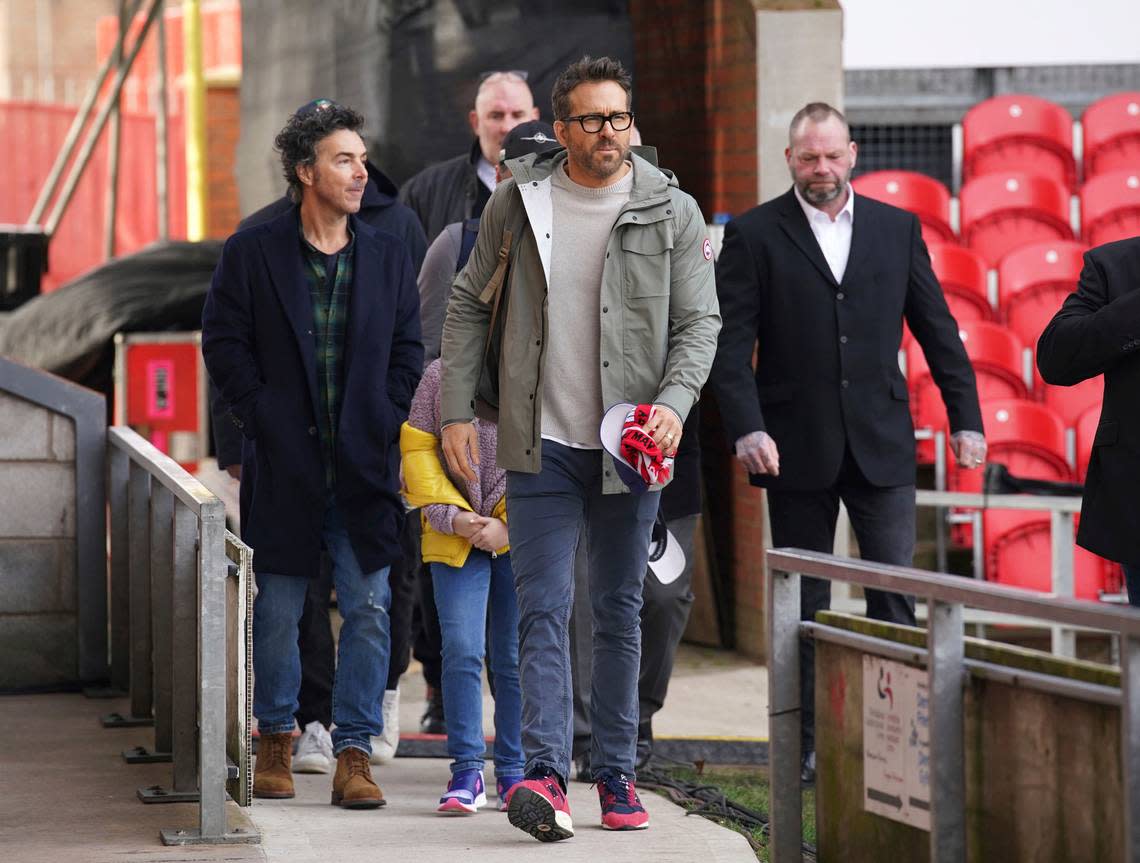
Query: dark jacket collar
795	224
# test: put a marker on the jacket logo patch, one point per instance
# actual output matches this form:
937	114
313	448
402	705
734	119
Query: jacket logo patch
707	249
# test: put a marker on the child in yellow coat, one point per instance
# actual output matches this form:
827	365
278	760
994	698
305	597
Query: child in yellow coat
465	543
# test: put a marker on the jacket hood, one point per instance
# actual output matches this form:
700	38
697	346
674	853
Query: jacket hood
380	191
649	181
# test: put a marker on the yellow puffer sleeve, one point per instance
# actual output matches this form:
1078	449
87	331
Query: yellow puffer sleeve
500	511
425	481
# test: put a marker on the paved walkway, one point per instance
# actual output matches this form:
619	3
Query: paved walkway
66	794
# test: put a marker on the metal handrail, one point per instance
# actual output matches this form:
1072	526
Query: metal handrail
945	658
169	573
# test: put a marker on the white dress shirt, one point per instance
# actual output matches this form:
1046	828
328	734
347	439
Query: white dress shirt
486	172
833	235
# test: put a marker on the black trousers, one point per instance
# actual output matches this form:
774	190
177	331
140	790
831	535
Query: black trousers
883	520
315	637
664	616
427	642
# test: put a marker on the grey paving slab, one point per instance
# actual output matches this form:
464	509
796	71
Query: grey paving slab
307	828
69	796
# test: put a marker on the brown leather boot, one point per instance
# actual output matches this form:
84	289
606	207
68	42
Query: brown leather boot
353	787
273	776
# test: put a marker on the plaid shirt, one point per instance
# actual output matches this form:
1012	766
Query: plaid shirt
330	315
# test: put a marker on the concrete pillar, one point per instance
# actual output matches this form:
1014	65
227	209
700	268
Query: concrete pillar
799	59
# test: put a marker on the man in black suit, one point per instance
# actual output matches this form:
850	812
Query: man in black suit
1097	331
311	333
819	280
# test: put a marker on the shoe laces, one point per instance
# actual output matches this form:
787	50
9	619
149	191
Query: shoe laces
356	763
273	748
616	784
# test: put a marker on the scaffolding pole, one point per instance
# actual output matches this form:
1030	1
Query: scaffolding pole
195	117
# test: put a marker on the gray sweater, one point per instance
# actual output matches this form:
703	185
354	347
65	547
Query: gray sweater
572	390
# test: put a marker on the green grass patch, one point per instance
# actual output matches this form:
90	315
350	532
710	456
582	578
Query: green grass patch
747	787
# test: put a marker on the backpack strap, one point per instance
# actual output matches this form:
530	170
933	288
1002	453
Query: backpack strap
494	286
467	242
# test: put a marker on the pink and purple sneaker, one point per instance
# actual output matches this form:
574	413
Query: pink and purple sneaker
464	795
504	787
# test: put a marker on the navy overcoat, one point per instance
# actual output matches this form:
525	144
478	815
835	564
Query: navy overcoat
258	343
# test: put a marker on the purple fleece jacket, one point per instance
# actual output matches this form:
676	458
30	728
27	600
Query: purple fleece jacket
491	482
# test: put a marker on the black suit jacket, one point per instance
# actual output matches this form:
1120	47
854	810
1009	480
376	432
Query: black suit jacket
827	375
257	340
1097	331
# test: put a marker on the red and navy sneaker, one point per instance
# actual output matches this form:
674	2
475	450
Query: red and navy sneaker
504	787
539	807
621	808
464	794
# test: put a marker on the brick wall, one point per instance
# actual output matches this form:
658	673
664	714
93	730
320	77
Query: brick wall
695	95
223	127
695	100
38	591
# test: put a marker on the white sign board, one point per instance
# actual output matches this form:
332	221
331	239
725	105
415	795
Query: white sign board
896	742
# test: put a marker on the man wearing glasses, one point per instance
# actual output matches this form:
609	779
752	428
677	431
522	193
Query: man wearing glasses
459	188
611	299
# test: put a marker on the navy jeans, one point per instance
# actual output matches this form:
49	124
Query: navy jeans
548	511
462	596
362	652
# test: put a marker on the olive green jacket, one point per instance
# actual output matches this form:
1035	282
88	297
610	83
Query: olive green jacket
658	314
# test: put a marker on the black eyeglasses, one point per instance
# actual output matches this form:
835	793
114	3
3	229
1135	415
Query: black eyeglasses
520	74
593	123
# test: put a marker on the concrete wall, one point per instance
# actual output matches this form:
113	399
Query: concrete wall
1043	772
38	590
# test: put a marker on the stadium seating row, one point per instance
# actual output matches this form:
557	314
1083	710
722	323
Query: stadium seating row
1018	132
1002	211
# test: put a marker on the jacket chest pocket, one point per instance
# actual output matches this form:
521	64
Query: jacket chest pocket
646	258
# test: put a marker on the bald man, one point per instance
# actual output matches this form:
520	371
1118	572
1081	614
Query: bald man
459	188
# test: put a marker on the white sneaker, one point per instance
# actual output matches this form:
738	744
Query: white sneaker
314	750
384	746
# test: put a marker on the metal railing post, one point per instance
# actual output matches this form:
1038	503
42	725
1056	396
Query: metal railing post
184	661
119	470
784	715
142	665
1130	742
946	647
1064	641
161	573
140	673
940	513
212	574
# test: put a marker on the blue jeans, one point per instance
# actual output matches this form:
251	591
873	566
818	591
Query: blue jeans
362	651
461	596
548	510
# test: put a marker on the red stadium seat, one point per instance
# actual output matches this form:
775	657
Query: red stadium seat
1001	212
1021	555
997	356
1029	439
962	274
1086	433
922	195
1112	134
1070	403
1033	281
1019	133
1110	207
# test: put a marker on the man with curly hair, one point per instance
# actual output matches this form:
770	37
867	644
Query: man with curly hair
311	333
